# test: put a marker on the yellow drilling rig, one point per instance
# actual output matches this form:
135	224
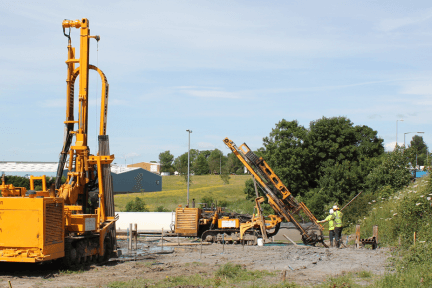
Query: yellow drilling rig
75	220
279	197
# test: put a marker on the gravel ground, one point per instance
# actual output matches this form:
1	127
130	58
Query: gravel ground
304	265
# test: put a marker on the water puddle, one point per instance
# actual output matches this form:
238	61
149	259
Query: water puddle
144	249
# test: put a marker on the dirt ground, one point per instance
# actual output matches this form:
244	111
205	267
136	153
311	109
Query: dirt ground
304	265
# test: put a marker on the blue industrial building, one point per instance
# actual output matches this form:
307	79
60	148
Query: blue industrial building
132	180
136	180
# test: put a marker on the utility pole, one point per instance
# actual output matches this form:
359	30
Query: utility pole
189	131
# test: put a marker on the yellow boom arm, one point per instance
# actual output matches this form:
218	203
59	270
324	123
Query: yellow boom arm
286	206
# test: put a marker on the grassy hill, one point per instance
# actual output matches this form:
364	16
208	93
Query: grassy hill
174	191
398	216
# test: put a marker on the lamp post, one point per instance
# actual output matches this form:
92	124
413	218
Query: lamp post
409	133
189	132
397	128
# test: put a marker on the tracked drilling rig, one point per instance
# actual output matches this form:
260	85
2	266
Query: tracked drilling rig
216	225
279	197
75	220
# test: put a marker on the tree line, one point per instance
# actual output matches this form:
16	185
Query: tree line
201	162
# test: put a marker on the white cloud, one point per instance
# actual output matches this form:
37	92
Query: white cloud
390	146
205	146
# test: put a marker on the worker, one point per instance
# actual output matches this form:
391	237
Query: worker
337	217
331	226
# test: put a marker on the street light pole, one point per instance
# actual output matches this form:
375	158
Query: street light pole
189	132
397	129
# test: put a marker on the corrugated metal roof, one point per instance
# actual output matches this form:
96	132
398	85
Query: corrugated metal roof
28	166
48	167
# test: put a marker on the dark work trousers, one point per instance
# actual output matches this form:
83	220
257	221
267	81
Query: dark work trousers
331	236
338	236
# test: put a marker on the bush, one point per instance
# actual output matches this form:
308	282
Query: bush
391	172
209	200
225	178
161	209
136	205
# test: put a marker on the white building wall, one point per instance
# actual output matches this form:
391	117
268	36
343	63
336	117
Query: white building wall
147	221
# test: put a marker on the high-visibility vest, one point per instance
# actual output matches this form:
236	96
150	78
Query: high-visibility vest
331	222
337	216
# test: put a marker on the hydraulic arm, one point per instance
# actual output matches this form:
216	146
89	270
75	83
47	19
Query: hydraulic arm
278	195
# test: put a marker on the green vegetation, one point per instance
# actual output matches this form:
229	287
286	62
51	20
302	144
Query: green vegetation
398	216
174	193
166	159
418	147
227	275
70	272
136	205
201	163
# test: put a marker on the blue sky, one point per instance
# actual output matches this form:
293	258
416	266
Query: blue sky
220	68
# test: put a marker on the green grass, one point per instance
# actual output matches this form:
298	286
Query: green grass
398	216
346	280
227	275
174	192
364	274
70	272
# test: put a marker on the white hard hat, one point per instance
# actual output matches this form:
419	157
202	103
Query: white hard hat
335	207
331	211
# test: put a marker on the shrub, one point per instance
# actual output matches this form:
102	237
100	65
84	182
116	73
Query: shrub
161	209
136	205
391	172
229	270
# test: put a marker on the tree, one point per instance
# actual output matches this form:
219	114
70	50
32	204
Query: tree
233	164
206	153
333	140
136	205
418	150
180	163
166	160
392	171
216	160
200	165
287	154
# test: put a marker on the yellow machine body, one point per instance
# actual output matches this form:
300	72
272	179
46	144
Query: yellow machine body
187	221
227	223
32	229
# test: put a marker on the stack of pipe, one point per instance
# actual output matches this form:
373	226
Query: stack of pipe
106	176
107	183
